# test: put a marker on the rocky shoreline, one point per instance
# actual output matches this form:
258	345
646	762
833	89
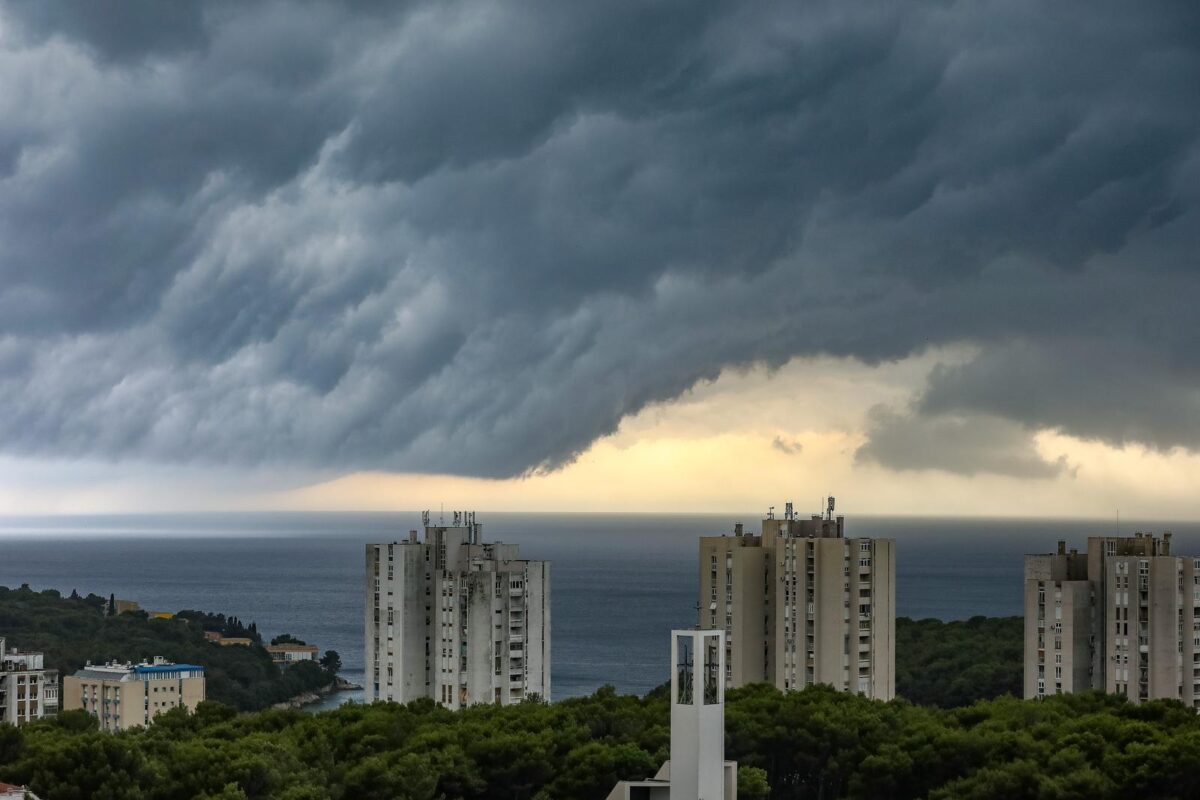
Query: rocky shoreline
339	684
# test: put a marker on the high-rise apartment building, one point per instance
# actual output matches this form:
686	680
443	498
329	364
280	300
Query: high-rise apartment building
28	691
801	604
123	696
1124	617
455	619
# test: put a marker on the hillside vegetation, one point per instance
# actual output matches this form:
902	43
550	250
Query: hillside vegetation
810	744
74	630
953	664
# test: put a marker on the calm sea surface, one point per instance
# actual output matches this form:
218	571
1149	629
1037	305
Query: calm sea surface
620	582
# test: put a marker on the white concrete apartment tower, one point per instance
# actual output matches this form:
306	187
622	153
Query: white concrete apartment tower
455	619
802	604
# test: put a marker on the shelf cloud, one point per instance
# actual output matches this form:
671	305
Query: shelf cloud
472	237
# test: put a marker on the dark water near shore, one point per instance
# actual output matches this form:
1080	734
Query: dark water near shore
620	582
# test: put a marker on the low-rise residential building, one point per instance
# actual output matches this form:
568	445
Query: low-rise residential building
28	691
288	653
121	606
235	641
9	791
123	696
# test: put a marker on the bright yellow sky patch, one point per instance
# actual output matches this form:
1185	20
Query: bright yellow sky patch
712	450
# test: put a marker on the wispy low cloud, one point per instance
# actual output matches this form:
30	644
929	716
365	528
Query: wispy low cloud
472	237
787	447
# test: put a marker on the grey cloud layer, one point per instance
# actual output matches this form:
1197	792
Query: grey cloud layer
471	237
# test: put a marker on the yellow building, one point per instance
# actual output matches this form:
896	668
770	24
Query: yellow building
123	696
121	606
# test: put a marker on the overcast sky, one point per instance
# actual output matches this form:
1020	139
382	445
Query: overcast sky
930	257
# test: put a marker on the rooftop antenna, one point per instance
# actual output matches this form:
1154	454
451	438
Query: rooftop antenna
771	512
442	514
829	508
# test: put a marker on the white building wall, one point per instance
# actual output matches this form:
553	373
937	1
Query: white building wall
28	691
442	619
537	630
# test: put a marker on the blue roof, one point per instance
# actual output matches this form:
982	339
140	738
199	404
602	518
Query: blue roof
167	668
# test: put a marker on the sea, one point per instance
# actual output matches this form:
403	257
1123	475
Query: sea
619	582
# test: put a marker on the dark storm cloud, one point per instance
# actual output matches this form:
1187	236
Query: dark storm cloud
961	445
472	237
136	29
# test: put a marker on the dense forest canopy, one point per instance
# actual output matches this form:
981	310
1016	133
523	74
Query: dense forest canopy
811	744
952	664
74	630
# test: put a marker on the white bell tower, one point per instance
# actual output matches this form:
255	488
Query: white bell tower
697	715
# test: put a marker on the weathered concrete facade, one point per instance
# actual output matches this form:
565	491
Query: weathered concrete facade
801	604
455	619
28	691
1123	618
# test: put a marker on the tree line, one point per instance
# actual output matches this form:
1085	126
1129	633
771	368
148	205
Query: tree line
815	744
75	630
